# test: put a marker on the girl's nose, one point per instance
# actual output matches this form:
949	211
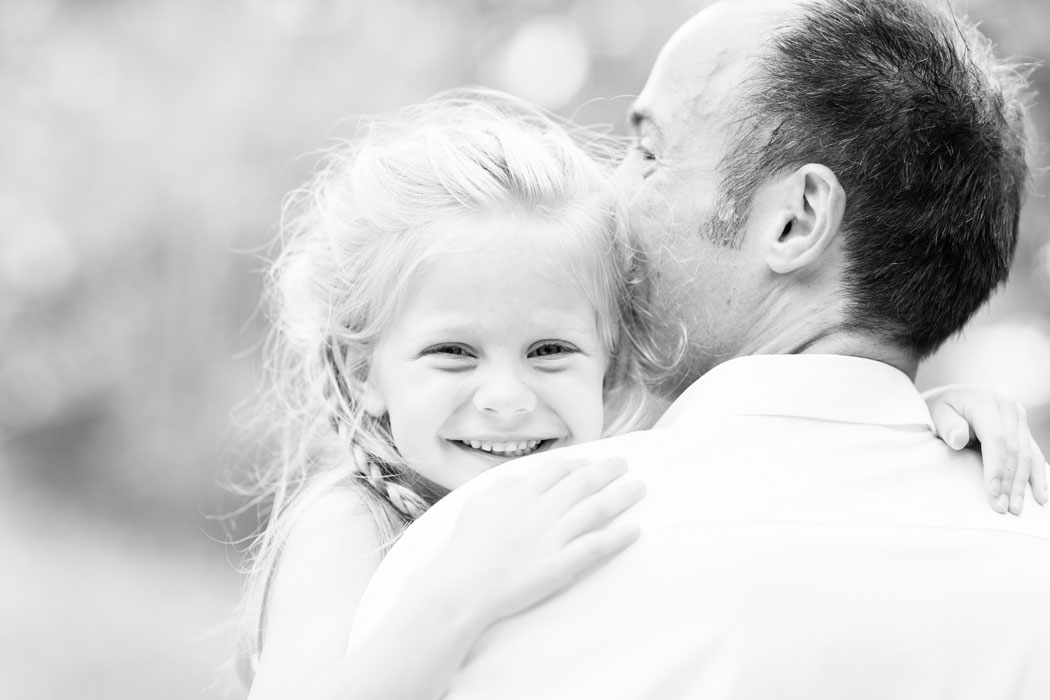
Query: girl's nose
503	392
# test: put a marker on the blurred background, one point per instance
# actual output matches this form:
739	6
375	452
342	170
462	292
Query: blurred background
146	147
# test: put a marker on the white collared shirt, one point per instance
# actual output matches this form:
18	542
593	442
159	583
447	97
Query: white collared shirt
805	535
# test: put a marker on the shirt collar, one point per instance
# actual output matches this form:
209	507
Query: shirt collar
823	387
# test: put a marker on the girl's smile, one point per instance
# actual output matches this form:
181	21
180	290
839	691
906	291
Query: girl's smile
514	448
493	355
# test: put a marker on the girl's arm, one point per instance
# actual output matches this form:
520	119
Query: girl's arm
321	575
516	543
964	414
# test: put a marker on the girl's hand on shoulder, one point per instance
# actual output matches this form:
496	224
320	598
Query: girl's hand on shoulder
524	538
963	414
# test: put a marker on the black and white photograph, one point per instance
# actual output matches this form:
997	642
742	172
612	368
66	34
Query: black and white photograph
522	350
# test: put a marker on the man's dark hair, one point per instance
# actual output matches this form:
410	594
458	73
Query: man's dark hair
925	130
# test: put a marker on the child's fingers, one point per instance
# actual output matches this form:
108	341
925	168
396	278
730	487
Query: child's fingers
582	482
597	510
996	426
589	550
1008	446
994	456
950	426
551	472
993	452
1010	456
1038	478
1031	469
1024	469
955	430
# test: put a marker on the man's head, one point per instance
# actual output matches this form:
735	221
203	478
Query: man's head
833	167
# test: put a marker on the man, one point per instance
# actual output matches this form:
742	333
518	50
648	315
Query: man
829	190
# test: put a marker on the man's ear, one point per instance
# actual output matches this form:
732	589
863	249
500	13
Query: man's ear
371	398
811	204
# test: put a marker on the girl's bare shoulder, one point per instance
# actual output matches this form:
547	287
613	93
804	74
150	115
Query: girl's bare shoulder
340	524
331	553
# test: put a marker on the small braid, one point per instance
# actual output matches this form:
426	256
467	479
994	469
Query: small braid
386	484
384	480
334	388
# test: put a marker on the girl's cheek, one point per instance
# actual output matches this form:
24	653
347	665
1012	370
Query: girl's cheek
591	408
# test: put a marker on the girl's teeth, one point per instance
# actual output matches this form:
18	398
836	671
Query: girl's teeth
514	449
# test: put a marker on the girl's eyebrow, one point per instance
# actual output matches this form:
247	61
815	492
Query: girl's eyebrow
454	324
439	329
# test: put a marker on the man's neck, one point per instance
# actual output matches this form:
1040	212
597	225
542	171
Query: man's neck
793	324
836	341
856	345
811	320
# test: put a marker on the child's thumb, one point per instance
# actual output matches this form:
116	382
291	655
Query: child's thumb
951	427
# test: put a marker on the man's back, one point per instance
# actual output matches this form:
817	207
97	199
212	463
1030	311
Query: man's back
818	543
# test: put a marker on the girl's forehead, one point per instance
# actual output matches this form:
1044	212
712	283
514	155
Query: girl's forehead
500	249
519	232
557	249
490	253
508	266
490	262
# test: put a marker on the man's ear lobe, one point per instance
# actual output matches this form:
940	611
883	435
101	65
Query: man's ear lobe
814	205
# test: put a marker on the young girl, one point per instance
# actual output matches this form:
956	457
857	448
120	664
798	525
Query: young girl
453	292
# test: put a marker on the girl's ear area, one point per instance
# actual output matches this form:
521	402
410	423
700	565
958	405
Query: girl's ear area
372	399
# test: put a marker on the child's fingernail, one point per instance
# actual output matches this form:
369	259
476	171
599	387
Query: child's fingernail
1016	503
1002	503
996	486
957	439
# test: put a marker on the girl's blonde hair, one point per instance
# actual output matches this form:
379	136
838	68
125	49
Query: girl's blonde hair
351	238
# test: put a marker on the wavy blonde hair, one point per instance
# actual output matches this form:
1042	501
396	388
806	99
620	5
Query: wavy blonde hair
350	241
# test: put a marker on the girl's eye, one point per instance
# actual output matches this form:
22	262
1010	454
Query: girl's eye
448	350
649	162
643	149
549	350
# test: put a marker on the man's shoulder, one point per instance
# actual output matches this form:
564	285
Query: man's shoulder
623	445
805	470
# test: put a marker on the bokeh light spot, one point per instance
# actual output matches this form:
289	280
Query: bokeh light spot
37	258
547	61
614	27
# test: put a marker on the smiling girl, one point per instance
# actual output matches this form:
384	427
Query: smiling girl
453	292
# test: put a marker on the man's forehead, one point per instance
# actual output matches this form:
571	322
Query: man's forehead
713	47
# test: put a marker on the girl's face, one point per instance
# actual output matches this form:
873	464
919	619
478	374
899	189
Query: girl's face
494	354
